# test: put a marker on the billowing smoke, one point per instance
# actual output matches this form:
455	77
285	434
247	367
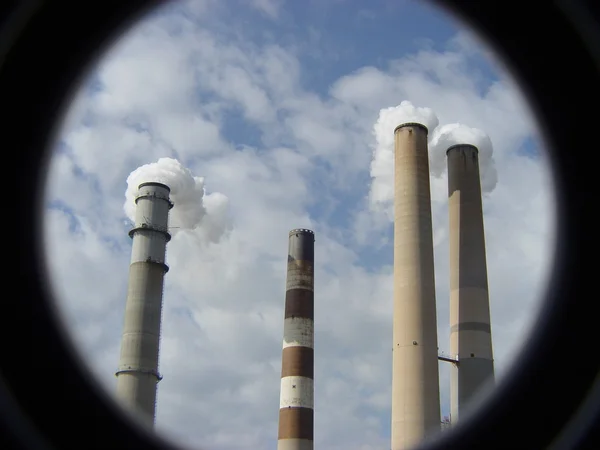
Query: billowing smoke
193	208
382	166
381	196
455	133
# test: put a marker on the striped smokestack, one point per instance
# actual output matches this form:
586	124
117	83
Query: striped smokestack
137	375
415	378
296	413
470	337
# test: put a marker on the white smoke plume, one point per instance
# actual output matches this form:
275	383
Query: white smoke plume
382	166
455	133
193	208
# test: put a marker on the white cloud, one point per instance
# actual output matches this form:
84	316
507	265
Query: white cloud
168	90
268	7
381	195
193	208
451	134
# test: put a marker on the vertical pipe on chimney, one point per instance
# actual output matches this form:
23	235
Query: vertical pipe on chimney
137	373
470	323
296	412
415	377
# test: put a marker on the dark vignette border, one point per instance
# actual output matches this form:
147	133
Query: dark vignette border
44	54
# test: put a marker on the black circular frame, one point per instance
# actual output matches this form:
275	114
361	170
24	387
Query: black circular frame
49	400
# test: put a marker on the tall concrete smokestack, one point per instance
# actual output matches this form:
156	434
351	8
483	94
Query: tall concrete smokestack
470	338
137	374
415	377
296	414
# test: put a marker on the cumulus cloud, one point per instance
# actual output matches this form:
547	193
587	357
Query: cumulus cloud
192	206
405	112
288	149
451	134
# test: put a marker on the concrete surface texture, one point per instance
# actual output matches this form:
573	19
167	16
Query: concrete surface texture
415	377
137	374
470	325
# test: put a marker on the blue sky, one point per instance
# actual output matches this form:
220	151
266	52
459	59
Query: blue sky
274	104
336	41
352	35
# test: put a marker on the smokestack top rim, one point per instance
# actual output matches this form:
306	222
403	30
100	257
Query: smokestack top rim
301	230
154	183
462	145
411	124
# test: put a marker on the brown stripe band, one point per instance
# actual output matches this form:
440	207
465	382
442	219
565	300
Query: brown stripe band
299	303
298	362
296	423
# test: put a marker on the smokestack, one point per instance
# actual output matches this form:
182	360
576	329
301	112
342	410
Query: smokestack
415	377
137	375
296	412
470	338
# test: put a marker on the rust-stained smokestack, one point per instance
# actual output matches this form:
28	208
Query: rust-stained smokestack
470	337
296	414
415	378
